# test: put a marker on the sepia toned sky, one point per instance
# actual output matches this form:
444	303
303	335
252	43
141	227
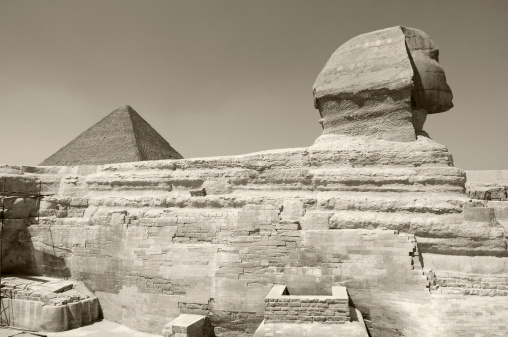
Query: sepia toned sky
231	77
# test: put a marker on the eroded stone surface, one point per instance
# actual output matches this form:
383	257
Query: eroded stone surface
382	85
137	236
42	303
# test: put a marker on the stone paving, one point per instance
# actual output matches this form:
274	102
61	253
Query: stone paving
103	328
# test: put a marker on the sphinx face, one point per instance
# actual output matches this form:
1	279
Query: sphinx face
430	89
382	85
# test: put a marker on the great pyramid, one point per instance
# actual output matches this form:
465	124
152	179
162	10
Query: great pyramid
122	136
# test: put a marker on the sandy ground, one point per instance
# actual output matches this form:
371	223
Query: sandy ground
103	328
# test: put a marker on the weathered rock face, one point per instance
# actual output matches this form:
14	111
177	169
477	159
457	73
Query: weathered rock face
304	217
42	303
382	85
430	90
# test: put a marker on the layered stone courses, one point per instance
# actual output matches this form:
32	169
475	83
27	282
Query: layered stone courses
47	304
488	185
280	307
138	240
470	284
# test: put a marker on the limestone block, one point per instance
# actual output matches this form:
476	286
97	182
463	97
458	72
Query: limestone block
24	314
479	214
86	312
500	209
16	181
55	318
316	220
79	202
61	213
188	325
118	218
94	308
219	186
75	315
292	210
198	193
75	212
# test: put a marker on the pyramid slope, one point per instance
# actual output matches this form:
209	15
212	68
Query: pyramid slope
151	145
122	136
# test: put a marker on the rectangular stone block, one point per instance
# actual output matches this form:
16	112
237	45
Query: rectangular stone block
479	214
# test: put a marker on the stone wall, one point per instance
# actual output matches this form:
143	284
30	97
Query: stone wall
472	284
428	315
488	185
308	218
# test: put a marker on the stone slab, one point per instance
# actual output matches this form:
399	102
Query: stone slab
349	329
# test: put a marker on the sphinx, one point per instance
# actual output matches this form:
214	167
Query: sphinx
382	85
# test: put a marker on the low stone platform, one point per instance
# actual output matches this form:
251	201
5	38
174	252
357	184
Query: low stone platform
281	307
310	315
47	304
349	329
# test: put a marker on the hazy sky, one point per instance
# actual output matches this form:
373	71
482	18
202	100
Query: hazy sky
231	77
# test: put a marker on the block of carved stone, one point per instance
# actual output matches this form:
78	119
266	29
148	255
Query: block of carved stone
188	325
479	214
54	318
382	85
198	193
292	210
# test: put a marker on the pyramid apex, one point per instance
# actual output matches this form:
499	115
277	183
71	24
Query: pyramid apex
124	108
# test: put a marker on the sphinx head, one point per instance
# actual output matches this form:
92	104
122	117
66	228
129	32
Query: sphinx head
382	85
